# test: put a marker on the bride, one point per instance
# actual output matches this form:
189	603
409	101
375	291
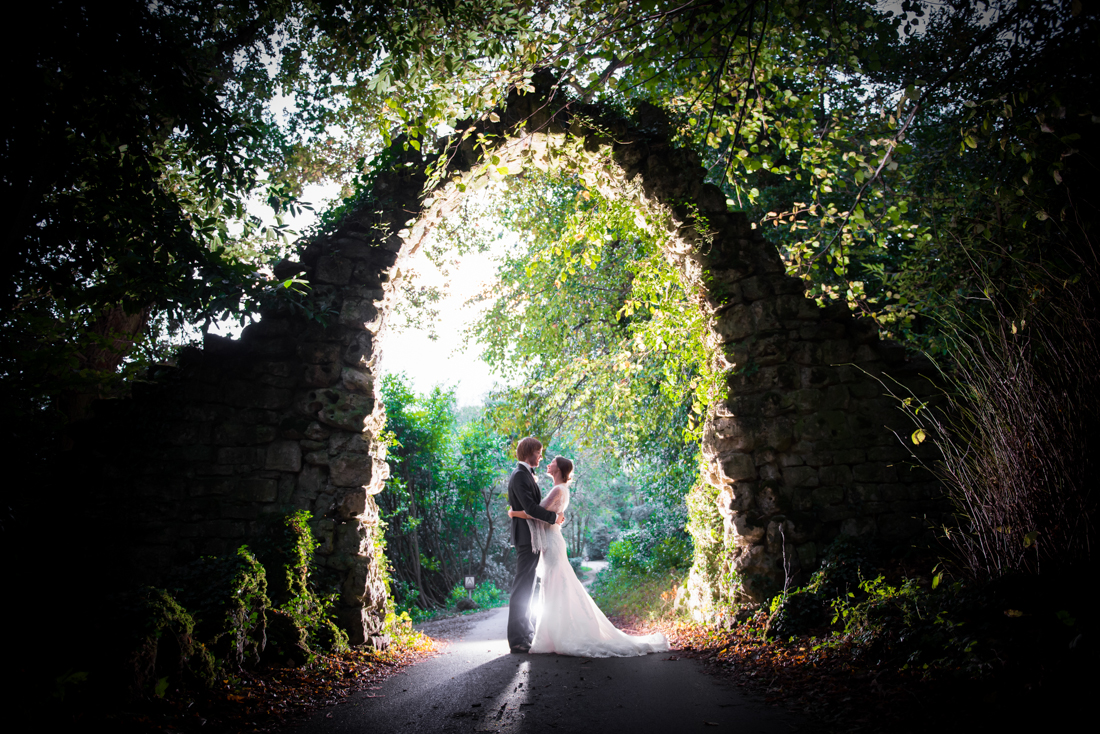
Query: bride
570	622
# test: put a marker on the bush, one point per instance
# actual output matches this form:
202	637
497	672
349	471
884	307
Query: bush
843	566
227	596
485	595
151	638
648	596
639	551
288	557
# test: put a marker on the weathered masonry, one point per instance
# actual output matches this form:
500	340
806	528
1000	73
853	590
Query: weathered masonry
804	448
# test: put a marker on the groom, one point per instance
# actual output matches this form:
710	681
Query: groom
524	494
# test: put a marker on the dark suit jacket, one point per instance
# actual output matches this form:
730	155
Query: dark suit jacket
524	494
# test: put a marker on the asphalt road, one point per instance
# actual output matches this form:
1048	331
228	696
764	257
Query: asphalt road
476	685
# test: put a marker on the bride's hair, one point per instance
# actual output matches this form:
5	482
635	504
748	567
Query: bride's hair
565	466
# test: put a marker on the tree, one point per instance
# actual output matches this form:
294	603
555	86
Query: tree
444	502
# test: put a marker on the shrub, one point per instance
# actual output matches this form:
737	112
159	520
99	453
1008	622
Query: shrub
843	566
151	635
635	593
227	596
288	557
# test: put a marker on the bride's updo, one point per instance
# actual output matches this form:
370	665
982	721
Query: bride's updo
565	466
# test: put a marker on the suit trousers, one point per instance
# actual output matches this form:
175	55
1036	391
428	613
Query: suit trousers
521	628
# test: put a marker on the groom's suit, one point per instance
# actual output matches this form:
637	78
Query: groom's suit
524	494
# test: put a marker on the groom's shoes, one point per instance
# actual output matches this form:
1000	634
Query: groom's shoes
520	649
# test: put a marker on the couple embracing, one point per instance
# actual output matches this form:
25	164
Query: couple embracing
570	623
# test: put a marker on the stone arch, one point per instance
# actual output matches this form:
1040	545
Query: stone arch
286	417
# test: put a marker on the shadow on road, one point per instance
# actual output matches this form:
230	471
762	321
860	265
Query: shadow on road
476	685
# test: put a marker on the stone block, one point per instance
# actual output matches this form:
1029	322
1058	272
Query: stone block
801	476
768	472
836	398
320	375
894	492
836	513
359	351
317	458
735	324
241	456
764	316
337	408
836	474
731	433
849	456
802	500
874	472
319	352
859	527
864	493
324	530
887	453
253	395
778	433
819	458
357	380
284	456
788	306
259	490
238	434
769	350
806	353
826	424
736	498
836	351
334	270
770	501
237	511
818	376
807	400
312	480
864	353
368	274
353	443
825	496
351	503
350	470
745	532
316	432
350	541
738	467
756	288
322	505
359	315
287	484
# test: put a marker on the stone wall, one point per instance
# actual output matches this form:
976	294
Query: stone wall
285	418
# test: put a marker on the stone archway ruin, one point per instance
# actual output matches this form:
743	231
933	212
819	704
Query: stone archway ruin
286	417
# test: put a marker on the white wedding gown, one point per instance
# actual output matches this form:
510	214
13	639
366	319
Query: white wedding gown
570	622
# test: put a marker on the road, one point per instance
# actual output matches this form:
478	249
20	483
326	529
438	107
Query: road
476	685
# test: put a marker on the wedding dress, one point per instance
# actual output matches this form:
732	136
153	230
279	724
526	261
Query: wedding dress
570	622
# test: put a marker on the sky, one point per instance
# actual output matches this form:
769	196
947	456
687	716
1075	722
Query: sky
443	362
